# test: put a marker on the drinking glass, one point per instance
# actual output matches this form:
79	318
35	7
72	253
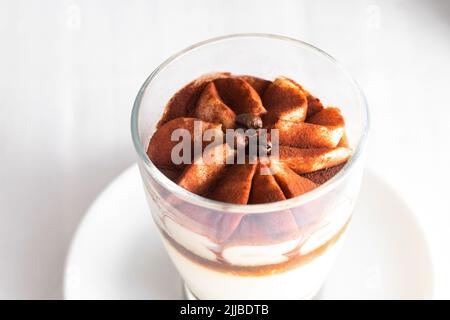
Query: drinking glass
297	239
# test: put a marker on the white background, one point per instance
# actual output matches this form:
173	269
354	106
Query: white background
69	71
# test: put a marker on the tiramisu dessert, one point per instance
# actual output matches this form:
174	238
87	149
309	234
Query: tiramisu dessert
282	252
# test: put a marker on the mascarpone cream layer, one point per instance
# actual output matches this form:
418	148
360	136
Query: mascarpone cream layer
301	282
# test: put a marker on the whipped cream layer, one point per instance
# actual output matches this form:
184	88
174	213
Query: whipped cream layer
275	120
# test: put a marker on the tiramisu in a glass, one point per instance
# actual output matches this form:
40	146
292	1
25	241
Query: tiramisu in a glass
251	179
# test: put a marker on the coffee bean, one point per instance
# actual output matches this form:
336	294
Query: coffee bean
249	120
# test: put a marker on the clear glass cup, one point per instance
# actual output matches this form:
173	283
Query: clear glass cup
292	243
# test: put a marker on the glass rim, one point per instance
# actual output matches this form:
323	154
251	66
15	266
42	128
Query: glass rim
248	208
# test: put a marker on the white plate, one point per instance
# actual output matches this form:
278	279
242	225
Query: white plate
117	252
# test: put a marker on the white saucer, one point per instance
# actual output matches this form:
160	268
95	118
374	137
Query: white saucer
117	253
